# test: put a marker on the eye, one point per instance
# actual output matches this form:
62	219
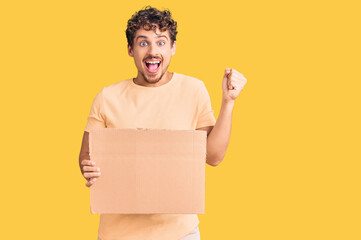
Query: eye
162	43
141	44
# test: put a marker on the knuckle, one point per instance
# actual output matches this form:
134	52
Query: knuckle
85	162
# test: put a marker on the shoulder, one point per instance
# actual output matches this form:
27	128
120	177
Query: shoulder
189	81
115	87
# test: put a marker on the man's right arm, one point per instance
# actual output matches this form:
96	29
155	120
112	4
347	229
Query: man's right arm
88	169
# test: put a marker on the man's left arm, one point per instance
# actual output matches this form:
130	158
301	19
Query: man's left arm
218	135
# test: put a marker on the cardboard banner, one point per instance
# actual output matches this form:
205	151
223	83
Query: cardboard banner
148	171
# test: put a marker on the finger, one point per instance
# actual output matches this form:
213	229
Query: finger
235	71
91	169
238	74
235	83
91	174
87	163
230	86
90	182
93	180
237	77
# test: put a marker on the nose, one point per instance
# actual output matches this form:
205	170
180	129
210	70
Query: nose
153	49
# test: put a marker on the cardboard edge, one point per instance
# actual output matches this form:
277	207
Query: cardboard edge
203	136
90	151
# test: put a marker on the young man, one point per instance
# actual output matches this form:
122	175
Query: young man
158	99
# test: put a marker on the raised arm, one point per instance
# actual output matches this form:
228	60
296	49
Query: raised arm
219	135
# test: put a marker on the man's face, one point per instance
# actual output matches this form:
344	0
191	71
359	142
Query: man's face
152	52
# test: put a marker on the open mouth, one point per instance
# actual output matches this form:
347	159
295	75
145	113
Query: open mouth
152	66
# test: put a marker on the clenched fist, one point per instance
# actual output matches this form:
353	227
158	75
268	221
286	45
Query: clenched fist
233	83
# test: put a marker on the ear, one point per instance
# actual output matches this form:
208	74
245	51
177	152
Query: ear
130	51
173	48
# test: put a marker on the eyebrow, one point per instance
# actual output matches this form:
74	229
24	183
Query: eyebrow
158	36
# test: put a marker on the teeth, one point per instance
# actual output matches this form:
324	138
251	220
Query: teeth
153	62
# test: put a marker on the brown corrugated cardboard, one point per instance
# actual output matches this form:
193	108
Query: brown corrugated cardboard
148	171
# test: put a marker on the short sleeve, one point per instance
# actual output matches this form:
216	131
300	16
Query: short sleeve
205	111
96	118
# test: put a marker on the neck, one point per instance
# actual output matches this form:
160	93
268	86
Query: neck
142	81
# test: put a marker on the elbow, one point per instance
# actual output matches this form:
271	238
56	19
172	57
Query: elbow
215	161
214	164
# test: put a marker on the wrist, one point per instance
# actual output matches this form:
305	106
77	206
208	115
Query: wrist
228	102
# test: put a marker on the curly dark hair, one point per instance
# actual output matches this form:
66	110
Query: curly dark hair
146	18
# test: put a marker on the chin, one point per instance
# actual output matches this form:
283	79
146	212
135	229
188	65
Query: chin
153	78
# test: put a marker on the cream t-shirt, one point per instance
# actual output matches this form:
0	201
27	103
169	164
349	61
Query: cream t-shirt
183	103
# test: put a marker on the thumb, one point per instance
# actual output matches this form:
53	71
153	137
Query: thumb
225	78
227	71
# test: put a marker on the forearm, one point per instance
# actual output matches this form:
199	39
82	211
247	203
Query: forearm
84	151
218	138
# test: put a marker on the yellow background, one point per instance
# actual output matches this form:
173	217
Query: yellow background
292	169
